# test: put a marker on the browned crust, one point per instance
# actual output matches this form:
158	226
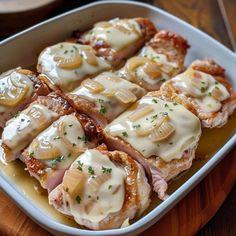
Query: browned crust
88	108
172	45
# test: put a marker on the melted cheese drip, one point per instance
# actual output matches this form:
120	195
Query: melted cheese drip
113	36
109	198
108	105
6	87
187	129
201	91
76	142
68	79
20	130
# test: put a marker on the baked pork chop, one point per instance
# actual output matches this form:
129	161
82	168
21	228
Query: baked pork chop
18	87
118	39
104	97
159	60
160	134
52	152
102	189
204	90
63	66
20	130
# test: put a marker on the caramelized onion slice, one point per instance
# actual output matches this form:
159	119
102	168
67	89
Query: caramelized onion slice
90	57
69	63
108	92
44	150
95	183
147	130
103	24
125	96
15	93
122	29
134	62
161	132
36	114
92	85
73	182
217	94
141	112
152	70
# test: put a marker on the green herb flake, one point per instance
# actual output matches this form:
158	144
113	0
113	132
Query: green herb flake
57	137
154	100
57	160
80	165
84	138
102	109
70	125
109	187
31	154
91	170
106	170
66	51
125	134
136	126
65	133
78	199
97	198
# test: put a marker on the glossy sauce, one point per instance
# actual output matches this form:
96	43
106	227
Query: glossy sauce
66	64
32	190
106	100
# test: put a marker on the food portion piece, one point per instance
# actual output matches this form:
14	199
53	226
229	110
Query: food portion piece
65	65
118	39
102	189
161	59
18	87
20	130
160	134
51	153
105	96
204	90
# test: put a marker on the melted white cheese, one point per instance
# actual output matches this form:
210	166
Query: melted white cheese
68	79
200	86
95	205
10	83
187	129
117	39
66	138
106	103
20	130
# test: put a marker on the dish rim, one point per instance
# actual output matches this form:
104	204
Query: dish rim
154	215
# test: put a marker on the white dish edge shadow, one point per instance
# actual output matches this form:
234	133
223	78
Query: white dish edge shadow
188	31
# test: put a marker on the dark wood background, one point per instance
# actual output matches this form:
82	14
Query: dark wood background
215	17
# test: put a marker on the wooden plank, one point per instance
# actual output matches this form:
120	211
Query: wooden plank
204	14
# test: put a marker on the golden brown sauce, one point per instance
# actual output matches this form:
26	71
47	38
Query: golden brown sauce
32	190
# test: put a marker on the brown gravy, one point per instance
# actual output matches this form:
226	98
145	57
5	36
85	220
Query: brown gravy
32	190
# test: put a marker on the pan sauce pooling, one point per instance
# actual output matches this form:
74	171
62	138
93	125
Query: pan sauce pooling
14	87
110	93
101	195
113	31
19	130
66	64
157	127
207	92
65	139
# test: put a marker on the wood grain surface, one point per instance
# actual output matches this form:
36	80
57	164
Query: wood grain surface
218	19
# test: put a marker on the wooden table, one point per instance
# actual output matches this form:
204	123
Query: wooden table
218	19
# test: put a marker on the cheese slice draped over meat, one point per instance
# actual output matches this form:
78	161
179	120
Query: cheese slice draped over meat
117	33
156	127
101	188
60	143
203	88
14	88
20	130
66	64
111	94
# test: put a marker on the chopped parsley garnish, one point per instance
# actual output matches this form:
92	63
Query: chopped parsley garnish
171	109
136	126
67	189
110	186
166	105
65	133
175	103
209	94
22	120
89	196
154	100
61	46
31	154
216	87
202	89
91	170
162	80
106	170
80	165
102	109
84	138
170	143
55	161
78	199
73	144
70	125
100	100
57	137
75	47
216	82
66	51
17	114
97	197
164	113
69	155
153	118
125	134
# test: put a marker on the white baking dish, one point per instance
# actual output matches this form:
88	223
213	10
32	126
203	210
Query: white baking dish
23	48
